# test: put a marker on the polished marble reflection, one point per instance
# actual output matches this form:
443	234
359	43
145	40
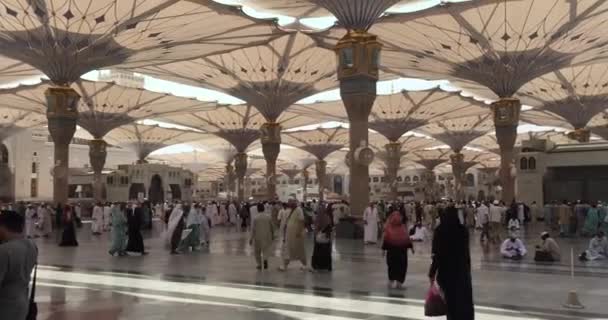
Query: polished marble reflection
222	283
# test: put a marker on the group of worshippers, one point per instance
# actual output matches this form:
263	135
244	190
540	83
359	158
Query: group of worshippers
218	213
290	227
581	218
127	222
188	227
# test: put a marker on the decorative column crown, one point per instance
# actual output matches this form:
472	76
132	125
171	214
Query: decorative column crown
358	54
62	113
393	160
270	132
97	154
240	164
321	170
506	112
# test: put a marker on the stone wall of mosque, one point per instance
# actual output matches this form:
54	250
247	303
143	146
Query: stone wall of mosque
30	156
153	182
565	172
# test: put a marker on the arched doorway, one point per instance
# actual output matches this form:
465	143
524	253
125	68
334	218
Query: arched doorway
135	190
156	192
338	184
176	191
6	176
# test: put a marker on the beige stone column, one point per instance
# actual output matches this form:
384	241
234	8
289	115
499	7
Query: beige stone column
393	163
358	53
270	135
230	180
458	169
305	187
62	114
506	119
321	170
240	166
97	158
430	182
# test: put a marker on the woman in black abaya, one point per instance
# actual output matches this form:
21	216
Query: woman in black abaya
134	225
451	265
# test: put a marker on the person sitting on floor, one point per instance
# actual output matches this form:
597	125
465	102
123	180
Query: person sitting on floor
418	232
548	250
513	248
514	224
598	248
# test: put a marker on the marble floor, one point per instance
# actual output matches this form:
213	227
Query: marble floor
222	283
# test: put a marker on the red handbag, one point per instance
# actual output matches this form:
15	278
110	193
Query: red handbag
434	305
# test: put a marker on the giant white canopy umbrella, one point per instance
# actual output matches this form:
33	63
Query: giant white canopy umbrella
14	120
145	139
319	142
239	125
66	39
103	107
270	77
575	94
491	48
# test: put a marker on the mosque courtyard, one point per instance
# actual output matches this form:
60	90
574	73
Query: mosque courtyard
222	283
195	111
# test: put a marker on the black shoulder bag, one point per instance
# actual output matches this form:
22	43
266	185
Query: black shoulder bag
33	306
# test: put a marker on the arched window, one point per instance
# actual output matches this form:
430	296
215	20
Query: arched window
407	179
532	163
416	179
523	163
469	180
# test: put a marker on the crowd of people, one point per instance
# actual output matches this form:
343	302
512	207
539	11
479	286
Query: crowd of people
395	227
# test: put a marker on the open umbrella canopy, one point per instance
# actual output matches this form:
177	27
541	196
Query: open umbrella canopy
14	120
459	132
319	142
490	48
575	94
105	106
270	77
66	39
145	139
393	115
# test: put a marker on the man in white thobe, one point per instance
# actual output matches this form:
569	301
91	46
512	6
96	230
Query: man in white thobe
232	213
370	219
30	222
513	248
97	223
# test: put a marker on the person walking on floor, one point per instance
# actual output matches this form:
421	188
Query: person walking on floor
97	222
451	266
370	219
262	236
119	231
175	228
395	243
321	254
135	243
68	236
45	221
30	221
292	235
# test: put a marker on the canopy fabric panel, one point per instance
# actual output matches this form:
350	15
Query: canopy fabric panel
66	39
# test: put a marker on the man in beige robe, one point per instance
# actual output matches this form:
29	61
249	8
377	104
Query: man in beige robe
262	236
292	235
